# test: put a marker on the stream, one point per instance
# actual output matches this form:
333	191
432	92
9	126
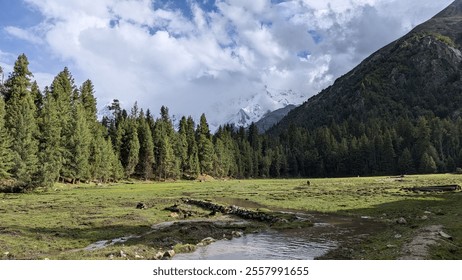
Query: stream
329	232
271	245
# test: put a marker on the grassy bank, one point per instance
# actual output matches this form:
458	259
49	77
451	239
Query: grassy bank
56	223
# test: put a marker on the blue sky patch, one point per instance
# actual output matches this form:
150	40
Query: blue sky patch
317	38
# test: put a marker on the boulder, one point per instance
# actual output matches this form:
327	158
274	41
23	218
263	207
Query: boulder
206	241
169	254
445	235
141	205
237	233
159	255
401	221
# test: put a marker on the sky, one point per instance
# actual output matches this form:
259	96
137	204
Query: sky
198	56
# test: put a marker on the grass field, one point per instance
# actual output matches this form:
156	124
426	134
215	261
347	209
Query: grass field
58	222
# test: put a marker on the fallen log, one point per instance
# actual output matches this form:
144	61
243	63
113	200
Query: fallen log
443	188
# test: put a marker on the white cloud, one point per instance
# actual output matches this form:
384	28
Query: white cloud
188	61
24	34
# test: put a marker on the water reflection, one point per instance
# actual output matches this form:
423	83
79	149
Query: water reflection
261	246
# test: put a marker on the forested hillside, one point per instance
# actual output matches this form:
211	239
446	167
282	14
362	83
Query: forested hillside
398	112
54	135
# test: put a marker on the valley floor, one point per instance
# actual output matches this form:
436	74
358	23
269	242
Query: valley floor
371	218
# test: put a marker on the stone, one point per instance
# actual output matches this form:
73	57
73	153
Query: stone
389	246
427	212
141	205
138	256
122	254
159	255
174	215
445	235
111	256
424	217
206	241
401	221
169	254
398	236
237	234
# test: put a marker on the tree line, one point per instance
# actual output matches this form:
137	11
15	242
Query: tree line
55	135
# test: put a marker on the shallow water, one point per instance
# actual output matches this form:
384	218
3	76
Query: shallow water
262	246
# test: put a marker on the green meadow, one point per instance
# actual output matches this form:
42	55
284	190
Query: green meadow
59	222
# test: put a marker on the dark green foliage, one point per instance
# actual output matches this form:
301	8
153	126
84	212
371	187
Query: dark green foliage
167	161
63	91
78	167
188	149
205	146
88	101
129	145
21	123
145	167
6	155
405	163
50	154
427	164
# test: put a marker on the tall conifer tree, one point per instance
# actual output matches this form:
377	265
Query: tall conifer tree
79	145
21	123
205	146
50	154
146	151
6	155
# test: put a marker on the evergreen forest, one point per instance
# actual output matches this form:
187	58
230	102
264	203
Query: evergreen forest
54	135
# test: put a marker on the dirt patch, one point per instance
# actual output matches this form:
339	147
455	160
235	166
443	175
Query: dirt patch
418	248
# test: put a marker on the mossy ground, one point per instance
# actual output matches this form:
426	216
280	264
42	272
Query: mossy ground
57	222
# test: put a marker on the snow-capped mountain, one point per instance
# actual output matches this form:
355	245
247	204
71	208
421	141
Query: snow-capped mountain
254	108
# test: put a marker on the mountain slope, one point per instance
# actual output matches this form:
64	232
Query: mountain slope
417	75
273	118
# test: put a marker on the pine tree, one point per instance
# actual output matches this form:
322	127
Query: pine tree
146	151
21	123
98	160
205	146
183	145
63	90
50	154
79	146
387	164
129	142
38	98
167	162
427	164
88	100
405	162
193	168
6	155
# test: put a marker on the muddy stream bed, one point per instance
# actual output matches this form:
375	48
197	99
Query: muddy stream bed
329	232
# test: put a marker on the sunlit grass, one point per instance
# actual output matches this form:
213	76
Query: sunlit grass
53	223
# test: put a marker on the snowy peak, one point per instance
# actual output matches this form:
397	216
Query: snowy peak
257	106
